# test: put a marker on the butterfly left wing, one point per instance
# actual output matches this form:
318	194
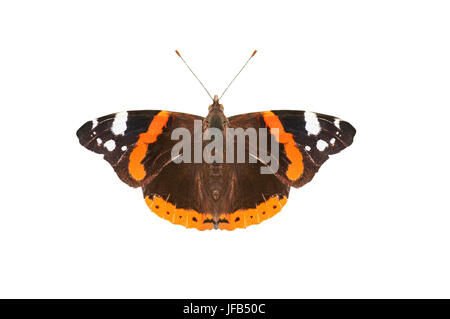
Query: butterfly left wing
306	140
137	144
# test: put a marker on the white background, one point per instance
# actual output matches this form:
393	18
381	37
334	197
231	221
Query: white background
375	220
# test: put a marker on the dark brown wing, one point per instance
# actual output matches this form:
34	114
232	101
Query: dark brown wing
253	197
182	195
136	143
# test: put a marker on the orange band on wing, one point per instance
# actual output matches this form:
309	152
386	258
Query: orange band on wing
135	167
246	217
295	168
185	217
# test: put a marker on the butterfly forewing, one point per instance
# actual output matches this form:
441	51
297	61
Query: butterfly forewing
137	144
306	140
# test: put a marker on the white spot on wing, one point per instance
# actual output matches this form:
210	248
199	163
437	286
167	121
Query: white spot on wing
99	141
337	123
321	145
332	141
94	124
124	148
110	145
119	125
312	124
308	148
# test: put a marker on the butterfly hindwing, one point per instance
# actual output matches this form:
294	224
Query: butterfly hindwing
182	194
137	144
265	195
306	140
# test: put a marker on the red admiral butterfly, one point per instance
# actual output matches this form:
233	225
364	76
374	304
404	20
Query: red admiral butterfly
202	195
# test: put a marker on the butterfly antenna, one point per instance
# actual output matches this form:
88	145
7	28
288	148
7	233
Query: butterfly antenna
253	54
176	51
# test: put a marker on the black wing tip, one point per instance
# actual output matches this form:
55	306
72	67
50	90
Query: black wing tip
83	133
348	132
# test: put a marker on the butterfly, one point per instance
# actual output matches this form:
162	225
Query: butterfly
215	194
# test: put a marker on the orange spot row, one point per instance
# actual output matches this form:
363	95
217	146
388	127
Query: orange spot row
135	167
186	217
246	217
295	168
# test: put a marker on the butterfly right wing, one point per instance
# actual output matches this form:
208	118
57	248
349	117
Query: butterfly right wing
306	140
137	144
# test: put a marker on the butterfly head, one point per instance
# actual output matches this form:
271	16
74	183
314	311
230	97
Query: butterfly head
215	117
216	106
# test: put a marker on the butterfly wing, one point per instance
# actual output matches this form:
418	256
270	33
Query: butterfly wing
306	140
137	144
252	197
181	194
